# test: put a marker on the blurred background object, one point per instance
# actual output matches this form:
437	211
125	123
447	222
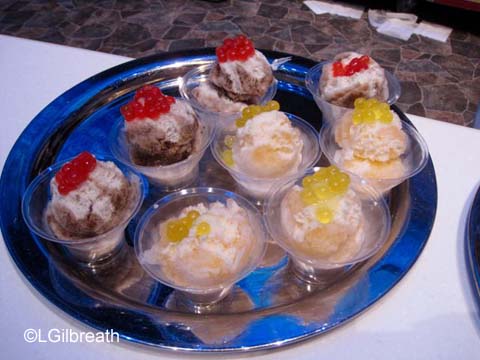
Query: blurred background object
439	80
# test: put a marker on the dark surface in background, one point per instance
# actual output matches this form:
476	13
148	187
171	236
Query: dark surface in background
439	80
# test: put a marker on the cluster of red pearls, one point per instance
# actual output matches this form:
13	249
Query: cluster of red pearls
355	65
238	48
148	102
75	172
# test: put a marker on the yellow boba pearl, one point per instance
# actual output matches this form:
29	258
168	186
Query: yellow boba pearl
186	222
332	175
322	192
182	230
321	174
324	215
240	122
383	107
308	181
272	106
370	103
378	113
359	102
332	170
357	117
308	197
340	184
203	229
371	110
247	113
171	227
256	109
361	111
383	112
369	117
227	156
193	215
387	117
344	178
229	140
176	231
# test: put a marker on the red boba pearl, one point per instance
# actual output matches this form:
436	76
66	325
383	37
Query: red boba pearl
140	112
229	43
349	71
239	48
221	54
364	59
355	65
338	69
152	112
232	55
147	103
147	90
242	39
75	172
243	54
164	107
250	50
127	112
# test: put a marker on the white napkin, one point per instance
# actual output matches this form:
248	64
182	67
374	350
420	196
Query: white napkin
322	7
379	17
397	28
397	25
433	31
403	25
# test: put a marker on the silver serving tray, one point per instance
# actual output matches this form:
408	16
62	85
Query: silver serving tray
268	309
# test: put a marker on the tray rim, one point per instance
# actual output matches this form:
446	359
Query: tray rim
147	62
472	236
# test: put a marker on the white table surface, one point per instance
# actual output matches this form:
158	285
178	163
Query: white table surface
430	314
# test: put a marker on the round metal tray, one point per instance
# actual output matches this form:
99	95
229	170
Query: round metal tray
269	308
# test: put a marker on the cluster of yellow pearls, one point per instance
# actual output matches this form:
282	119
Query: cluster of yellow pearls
247	113
253	110
227	154
178	229
371	110
322	189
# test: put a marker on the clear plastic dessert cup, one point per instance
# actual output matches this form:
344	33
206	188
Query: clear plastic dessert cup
199	75
414	159
166	177
332	112
310	267
256	187
147	236
91	250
